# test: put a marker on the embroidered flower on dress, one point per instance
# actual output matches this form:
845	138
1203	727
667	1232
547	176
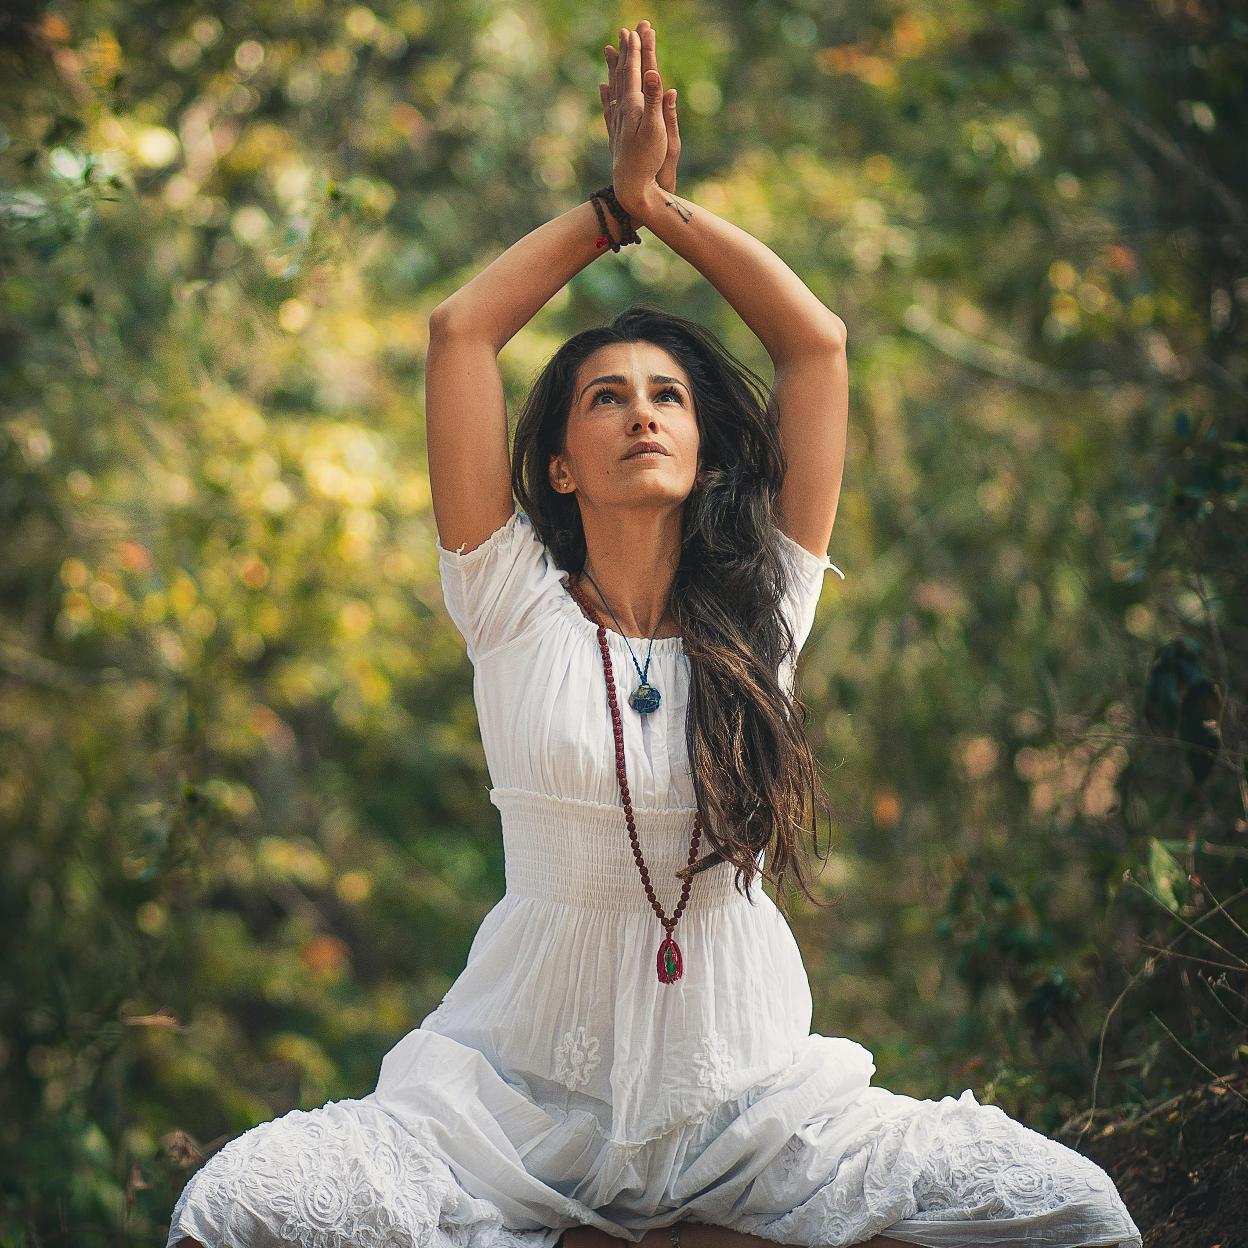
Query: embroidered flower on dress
327	1195
838	1227
345	1175
223	1168
576	1058
714	1064
1027	1185
791	1157
983	1161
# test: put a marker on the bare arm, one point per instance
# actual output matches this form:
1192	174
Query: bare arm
806	342
508	293
465	407
500	300
765	293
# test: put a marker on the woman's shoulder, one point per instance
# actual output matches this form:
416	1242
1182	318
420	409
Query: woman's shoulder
496	591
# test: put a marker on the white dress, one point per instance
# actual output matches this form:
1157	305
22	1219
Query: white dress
560	1082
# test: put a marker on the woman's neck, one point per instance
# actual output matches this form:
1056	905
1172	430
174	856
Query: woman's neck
616	617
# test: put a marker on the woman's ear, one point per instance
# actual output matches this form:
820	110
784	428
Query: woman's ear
560	479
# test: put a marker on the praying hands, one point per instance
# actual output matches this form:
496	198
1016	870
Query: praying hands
642	129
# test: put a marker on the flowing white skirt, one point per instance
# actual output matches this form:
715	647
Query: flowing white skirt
446	1152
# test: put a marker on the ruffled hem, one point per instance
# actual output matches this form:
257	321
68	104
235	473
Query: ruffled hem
811	564
461	558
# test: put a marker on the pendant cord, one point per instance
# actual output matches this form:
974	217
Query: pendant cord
644	675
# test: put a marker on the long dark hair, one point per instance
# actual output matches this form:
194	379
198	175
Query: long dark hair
752	767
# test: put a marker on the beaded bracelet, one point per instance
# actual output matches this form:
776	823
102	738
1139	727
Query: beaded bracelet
628	234
675	1233
604	237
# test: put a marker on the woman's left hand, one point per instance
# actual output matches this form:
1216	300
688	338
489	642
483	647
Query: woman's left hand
644	145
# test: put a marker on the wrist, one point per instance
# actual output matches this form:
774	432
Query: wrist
610	232
637	200
622	234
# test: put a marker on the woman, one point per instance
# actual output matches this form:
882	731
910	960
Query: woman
627	1052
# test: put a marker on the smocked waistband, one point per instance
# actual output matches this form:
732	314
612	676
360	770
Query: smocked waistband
579	853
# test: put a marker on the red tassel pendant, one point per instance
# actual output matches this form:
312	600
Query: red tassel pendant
671	963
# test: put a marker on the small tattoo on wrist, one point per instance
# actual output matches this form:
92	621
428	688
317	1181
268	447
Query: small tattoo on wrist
685	214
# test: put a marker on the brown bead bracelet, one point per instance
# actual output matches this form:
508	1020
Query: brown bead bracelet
628	235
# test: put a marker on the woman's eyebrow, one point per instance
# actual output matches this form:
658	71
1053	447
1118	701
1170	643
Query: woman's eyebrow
623	381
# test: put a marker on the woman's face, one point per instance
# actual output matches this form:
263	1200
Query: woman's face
625	394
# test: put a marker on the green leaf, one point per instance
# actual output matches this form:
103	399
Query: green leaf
1168	878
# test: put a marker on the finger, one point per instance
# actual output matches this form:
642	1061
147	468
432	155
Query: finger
608	113
617	67
632	65
654	91
649	58
623	69
667	176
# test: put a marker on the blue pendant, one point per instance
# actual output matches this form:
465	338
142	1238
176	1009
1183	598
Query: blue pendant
645	698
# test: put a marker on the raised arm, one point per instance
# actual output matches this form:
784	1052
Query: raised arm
465	408
806	341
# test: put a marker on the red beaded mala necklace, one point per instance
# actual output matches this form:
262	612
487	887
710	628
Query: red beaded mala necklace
670	961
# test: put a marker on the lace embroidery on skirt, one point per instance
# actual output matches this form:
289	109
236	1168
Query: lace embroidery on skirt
346	1175
951	1161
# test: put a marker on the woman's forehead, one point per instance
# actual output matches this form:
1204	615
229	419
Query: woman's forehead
646	358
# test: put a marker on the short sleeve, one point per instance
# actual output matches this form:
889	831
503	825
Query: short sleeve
806	572
496	592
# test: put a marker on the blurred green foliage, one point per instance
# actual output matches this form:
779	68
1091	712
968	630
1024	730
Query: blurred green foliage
243	802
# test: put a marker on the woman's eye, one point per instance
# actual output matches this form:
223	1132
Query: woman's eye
670	390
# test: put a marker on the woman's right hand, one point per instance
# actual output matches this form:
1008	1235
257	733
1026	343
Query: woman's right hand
642	129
